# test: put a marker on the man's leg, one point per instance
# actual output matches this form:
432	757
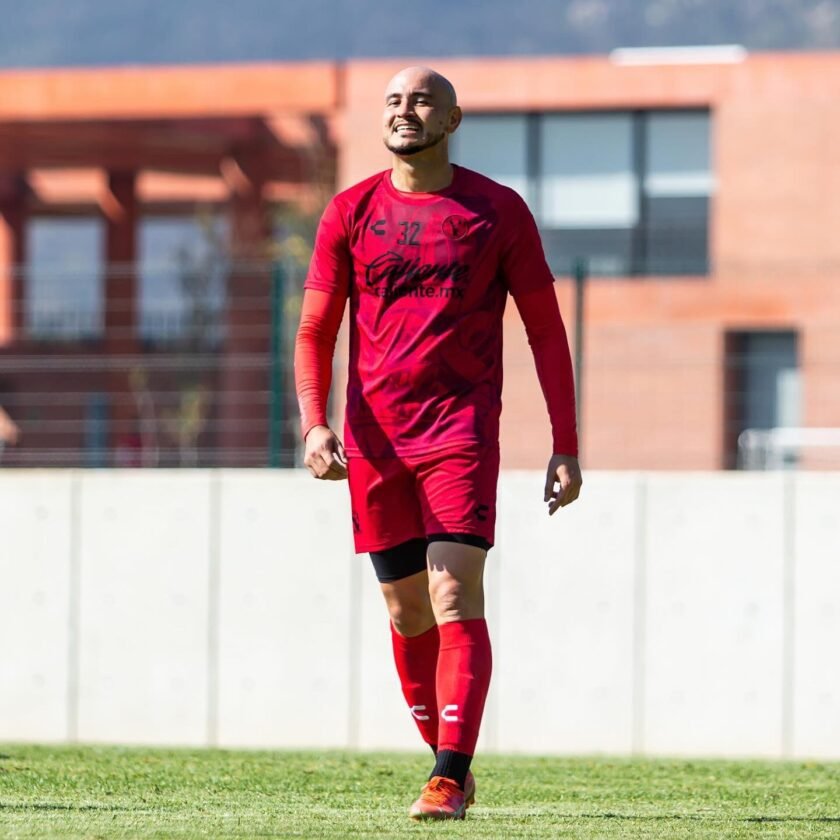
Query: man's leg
457	491
456	589
414	633
386	513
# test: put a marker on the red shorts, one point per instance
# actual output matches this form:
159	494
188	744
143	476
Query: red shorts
420	496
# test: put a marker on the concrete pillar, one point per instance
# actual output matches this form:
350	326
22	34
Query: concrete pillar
244	375
121	213
12	256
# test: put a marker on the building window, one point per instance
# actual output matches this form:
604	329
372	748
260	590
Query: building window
497	146
763	392
183	270
677	186
588	204
64	278
627	192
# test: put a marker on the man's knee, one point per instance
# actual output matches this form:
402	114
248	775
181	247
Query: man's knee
455	600
456	581
412	619
409	606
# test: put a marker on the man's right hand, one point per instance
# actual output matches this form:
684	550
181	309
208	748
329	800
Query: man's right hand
324	454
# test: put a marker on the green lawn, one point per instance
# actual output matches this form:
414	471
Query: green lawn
105	792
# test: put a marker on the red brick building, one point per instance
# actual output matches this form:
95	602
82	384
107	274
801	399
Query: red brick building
702	197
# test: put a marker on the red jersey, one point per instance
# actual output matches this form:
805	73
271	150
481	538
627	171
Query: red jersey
428	275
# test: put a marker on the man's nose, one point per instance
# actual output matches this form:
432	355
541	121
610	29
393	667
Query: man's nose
405	108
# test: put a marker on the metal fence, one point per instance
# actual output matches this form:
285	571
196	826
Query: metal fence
202	381
205	378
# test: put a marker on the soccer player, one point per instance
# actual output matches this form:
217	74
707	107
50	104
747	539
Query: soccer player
427	253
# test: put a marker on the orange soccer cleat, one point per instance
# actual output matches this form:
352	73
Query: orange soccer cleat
442	799
469	789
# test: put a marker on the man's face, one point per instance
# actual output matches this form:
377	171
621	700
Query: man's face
418	114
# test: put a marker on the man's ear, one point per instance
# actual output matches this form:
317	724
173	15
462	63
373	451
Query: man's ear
455	117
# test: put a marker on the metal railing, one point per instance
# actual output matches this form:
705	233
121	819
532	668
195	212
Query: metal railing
212	384
189	384
783	447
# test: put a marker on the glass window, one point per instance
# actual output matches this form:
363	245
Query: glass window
586	172
763	392
588	193
64	278
182	278
495	146
677	185
626	192
677	159
770	373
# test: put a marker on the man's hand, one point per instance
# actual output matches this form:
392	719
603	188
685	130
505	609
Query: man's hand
324	454
9	431
565	471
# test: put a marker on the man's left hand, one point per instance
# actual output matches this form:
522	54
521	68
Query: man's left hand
563	470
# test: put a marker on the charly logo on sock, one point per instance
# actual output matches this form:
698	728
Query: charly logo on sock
450	713
415	712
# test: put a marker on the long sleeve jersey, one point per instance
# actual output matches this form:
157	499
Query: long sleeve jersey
427	276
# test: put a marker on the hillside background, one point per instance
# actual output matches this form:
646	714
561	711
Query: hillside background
93	32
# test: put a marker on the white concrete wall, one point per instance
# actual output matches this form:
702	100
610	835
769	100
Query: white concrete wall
714	614
38	526
694	614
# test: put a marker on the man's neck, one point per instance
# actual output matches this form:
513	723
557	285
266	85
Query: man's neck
418	175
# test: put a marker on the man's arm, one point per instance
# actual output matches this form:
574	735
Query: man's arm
320	318
326	290
547	337
9	431
532	285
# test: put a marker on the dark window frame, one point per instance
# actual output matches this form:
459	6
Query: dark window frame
641	258
737	354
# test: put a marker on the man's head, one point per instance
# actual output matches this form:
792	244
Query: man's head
421	111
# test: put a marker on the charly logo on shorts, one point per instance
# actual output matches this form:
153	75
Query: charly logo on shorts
455	227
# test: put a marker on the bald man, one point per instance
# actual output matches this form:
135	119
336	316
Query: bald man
427	253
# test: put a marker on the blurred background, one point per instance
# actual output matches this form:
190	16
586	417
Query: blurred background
156	221
162	171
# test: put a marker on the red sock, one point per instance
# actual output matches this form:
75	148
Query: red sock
463	677
416	658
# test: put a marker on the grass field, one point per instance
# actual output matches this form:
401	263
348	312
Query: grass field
106	792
